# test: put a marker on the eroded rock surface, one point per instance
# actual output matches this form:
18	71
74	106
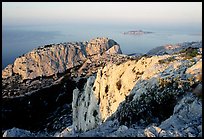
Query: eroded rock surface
122	96
137	92
57	58
42	80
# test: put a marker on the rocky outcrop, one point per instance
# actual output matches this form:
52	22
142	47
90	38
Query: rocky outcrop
147	96
57	58
186	121
16	132
137	92
99	46
84	106
8	71
115	49
42	81
101	96
174	48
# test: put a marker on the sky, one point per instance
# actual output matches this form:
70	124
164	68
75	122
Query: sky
48	13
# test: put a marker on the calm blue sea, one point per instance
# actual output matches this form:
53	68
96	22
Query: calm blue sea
19	40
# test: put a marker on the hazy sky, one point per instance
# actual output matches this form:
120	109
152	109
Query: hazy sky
47	13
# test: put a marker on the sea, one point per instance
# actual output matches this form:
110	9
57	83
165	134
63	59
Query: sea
18	40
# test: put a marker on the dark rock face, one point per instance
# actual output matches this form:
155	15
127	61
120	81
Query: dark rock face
29	111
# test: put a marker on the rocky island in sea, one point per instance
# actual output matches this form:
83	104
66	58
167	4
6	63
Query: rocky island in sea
91	89
137	32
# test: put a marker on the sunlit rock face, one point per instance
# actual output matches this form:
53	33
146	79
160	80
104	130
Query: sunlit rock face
101	45
118	90
57	58
8	71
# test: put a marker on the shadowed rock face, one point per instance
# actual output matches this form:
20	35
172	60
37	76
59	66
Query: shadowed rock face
30	111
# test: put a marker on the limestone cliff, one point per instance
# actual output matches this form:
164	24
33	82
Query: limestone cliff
142	91
57	58
146	96
41	82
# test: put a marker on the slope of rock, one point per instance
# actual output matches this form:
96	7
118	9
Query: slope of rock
173	48
137	92
184	122
42	80
148	96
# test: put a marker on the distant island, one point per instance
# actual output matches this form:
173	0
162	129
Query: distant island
136	32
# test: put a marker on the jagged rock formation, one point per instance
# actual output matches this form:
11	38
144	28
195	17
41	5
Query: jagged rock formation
52	59
43	80
113	83
149	90
15	132
186	121
147	96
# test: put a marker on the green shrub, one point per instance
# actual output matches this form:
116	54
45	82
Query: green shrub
167	61
153	106
189	53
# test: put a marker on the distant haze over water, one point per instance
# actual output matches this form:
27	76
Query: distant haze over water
17	40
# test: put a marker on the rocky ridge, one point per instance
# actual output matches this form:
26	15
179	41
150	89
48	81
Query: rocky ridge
47	64
159	103
138	83
126	89
175	48
57	58
31	90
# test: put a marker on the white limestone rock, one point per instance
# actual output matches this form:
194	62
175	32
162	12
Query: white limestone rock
115	49
65	133
127	81
101	45
57	58
8	71
85	108
16	132
185	119
142	82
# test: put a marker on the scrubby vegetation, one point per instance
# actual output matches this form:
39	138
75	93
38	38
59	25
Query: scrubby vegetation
167	61
155	104
189	53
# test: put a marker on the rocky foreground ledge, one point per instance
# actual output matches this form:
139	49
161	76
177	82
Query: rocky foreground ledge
145	96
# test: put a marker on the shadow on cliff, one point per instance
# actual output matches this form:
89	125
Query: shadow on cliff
30	111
